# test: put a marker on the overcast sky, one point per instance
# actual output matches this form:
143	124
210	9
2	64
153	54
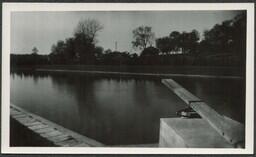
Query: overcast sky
43	29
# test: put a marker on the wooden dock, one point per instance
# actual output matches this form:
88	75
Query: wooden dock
50	131
232	131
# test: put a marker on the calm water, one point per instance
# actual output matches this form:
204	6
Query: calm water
117	110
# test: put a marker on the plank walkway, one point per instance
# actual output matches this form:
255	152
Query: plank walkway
231	130
142	74
150	145
50	131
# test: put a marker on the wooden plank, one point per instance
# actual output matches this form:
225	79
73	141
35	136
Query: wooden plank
138	145
23	119
51	134
27	121
37	127
232	131
32	123
67	143
19	116
60	138
49	130
44	130
15	112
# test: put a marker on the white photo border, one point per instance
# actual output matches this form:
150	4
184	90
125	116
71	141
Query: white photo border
7	8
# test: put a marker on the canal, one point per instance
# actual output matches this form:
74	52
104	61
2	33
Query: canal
118	110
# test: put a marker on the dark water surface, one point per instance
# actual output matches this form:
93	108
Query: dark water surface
117	110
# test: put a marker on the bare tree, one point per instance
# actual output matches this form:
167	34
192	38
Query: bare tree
88	28
34	51
143	37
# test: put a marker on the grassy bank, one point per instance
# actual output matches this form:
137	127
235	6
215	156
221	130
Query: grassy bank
193	70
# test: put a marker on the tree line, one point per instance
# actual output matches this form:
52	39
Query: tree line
224	44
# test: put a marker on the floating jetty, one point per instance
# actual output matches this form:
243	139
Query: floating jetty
211	131
54	133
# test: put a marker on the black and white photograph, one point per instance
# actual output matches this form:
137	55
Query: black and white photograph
115	77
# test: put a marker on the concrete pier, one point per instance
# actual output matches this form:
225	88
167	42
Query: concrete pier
54	133
189	133
228	129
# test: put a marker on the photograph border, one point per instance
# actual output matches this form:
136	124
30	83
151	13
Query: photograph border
7	8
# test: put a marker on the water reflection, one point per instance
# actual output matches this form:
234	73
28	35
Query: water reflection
113	109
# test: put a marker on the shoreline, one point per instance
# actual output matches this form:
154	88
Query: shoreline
140	74
150	71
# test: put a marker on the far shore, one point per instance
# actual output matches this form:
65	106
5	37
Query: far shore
159	71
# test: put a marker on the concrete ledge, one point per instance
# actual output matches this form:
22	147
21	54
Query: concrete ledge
52	132
189	133
231	130
181	92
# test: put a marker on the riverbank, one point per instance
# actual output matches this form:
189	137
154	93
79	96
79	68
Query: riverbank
168	71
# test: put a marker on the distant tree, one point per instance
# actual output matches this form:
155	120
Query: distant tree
175	38
98	51
116	58
149	51
189	41
143	37
149	56
107	51
227	38
34	56
58	53
59	48
70	49
88	28
85	39
239	38
28	59
34	51
164	44
134	55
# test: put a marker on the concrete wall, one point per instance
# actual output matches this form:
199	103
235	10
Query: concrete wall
189	133
216	130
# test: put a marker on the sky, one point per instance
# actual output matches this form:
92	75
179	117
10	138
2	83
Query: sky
43	29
